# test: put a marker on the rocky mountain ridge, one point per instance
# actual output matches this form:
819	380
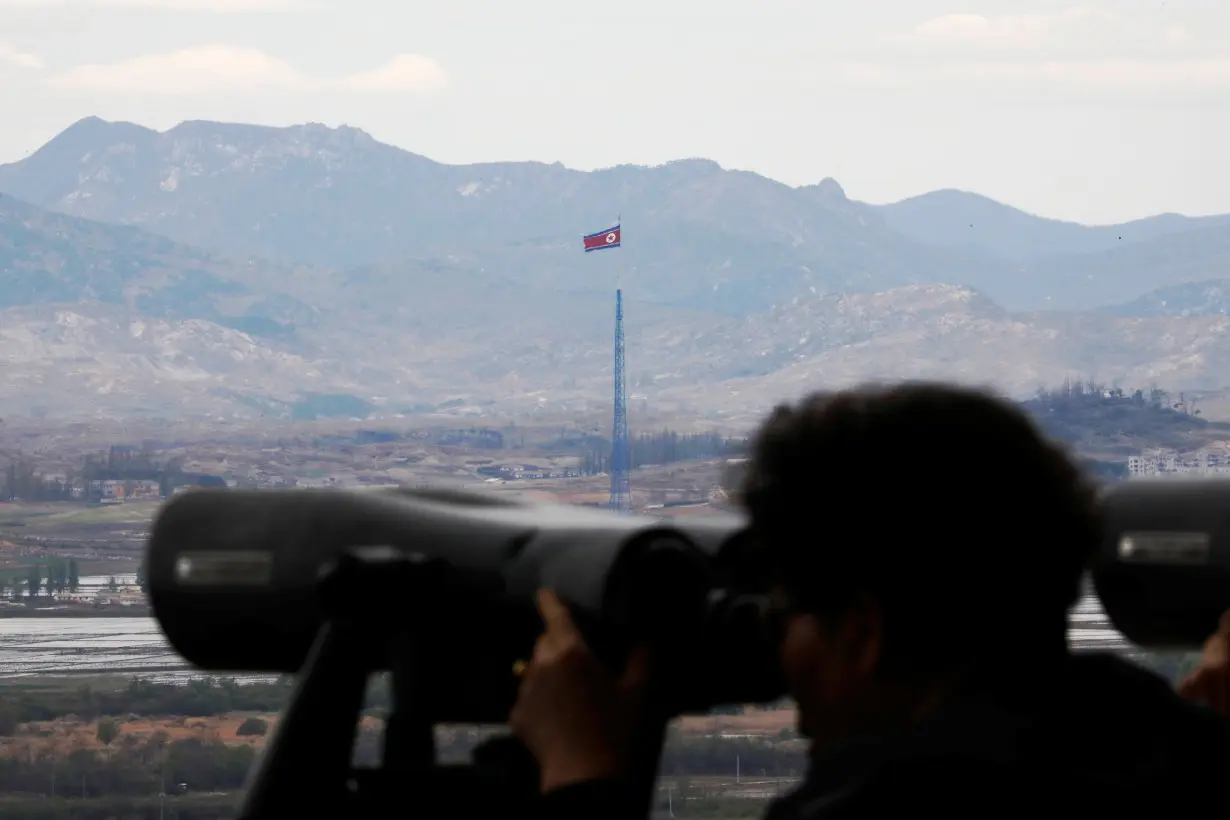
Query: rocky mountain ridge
468	288
697	235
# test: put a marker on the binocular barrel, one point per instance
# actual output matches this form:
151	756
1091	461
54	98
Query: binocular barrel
235	580
1163	571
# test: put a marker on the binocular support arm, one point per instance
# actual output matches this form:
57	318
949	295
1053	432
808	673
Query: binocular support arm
307	768
304	767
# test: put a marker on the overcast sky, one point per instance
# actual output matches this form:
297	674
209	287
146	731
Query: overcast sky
1092	113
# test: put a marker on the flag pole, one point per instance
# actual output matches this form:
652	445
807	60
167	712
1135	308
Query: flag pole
619	269
621	492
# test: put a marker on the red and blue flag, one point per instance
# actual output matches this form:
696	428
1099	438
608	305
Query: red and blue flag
602	240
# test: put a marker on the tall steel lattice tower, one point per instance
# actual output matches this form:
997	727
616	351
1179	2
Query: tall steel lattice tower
621	449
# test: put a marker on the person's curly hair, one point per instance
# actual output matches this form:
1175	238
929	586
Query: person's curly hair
947	504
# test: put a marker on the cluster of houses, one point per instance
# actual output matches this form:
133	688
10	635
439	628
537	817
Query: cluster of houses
517	472
1213	460
122	595
128	595
119	490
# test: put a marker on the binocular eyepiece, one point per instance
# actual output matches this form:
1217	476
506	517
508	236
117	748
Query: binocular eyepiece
1163	571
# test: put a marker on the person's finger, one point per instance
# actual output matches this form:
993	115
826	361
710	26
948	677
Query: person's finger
1217	647
545	649
555	616
1217	651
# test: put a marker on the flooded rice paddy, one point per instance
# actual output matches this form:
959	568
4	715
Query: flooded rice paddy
90	647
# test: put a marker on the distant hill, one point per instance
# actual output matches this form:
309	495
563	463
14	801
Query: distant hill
50	258
1210	297
978	224
1062	265
1103	426
1112	424
1122	275
942	332
104	319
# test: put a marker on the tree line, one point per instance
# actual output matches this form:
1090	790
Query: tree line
135	764
57	575
665	447
1090	391
203	697
24	479
131	765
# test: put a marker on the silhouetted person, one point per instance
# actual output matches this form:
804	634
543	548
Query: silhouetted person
928	544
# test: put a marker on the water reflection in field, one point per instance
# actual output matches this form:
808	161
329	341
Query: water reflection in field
136	646
83	646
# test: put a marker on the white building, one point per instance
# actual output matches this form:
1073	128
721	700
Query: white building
1213	460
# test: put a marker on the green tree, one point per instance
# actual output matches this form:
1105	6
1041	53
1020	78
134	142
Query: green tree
34	579
88	702
108	730
142	581
9	719
74	576
253	727
57	575
112	584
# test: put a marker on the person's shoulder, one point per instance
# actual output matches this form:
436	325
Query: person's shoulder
1125	731
948	786
1137	702
591	799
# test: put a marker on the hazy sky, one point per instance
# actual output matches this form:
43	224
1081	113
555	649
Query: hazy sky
1092	113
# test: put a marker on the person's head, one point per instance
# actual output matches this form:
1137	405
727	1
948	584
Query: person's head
917	532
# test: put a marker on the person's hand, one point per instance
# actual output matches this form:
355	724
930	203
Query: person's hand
1210	684
571	713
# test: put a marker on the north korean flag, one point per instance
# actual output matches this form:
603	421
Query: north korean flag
602	240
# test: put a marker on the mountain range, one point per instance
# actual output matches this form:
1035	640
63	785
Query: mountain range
219	269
